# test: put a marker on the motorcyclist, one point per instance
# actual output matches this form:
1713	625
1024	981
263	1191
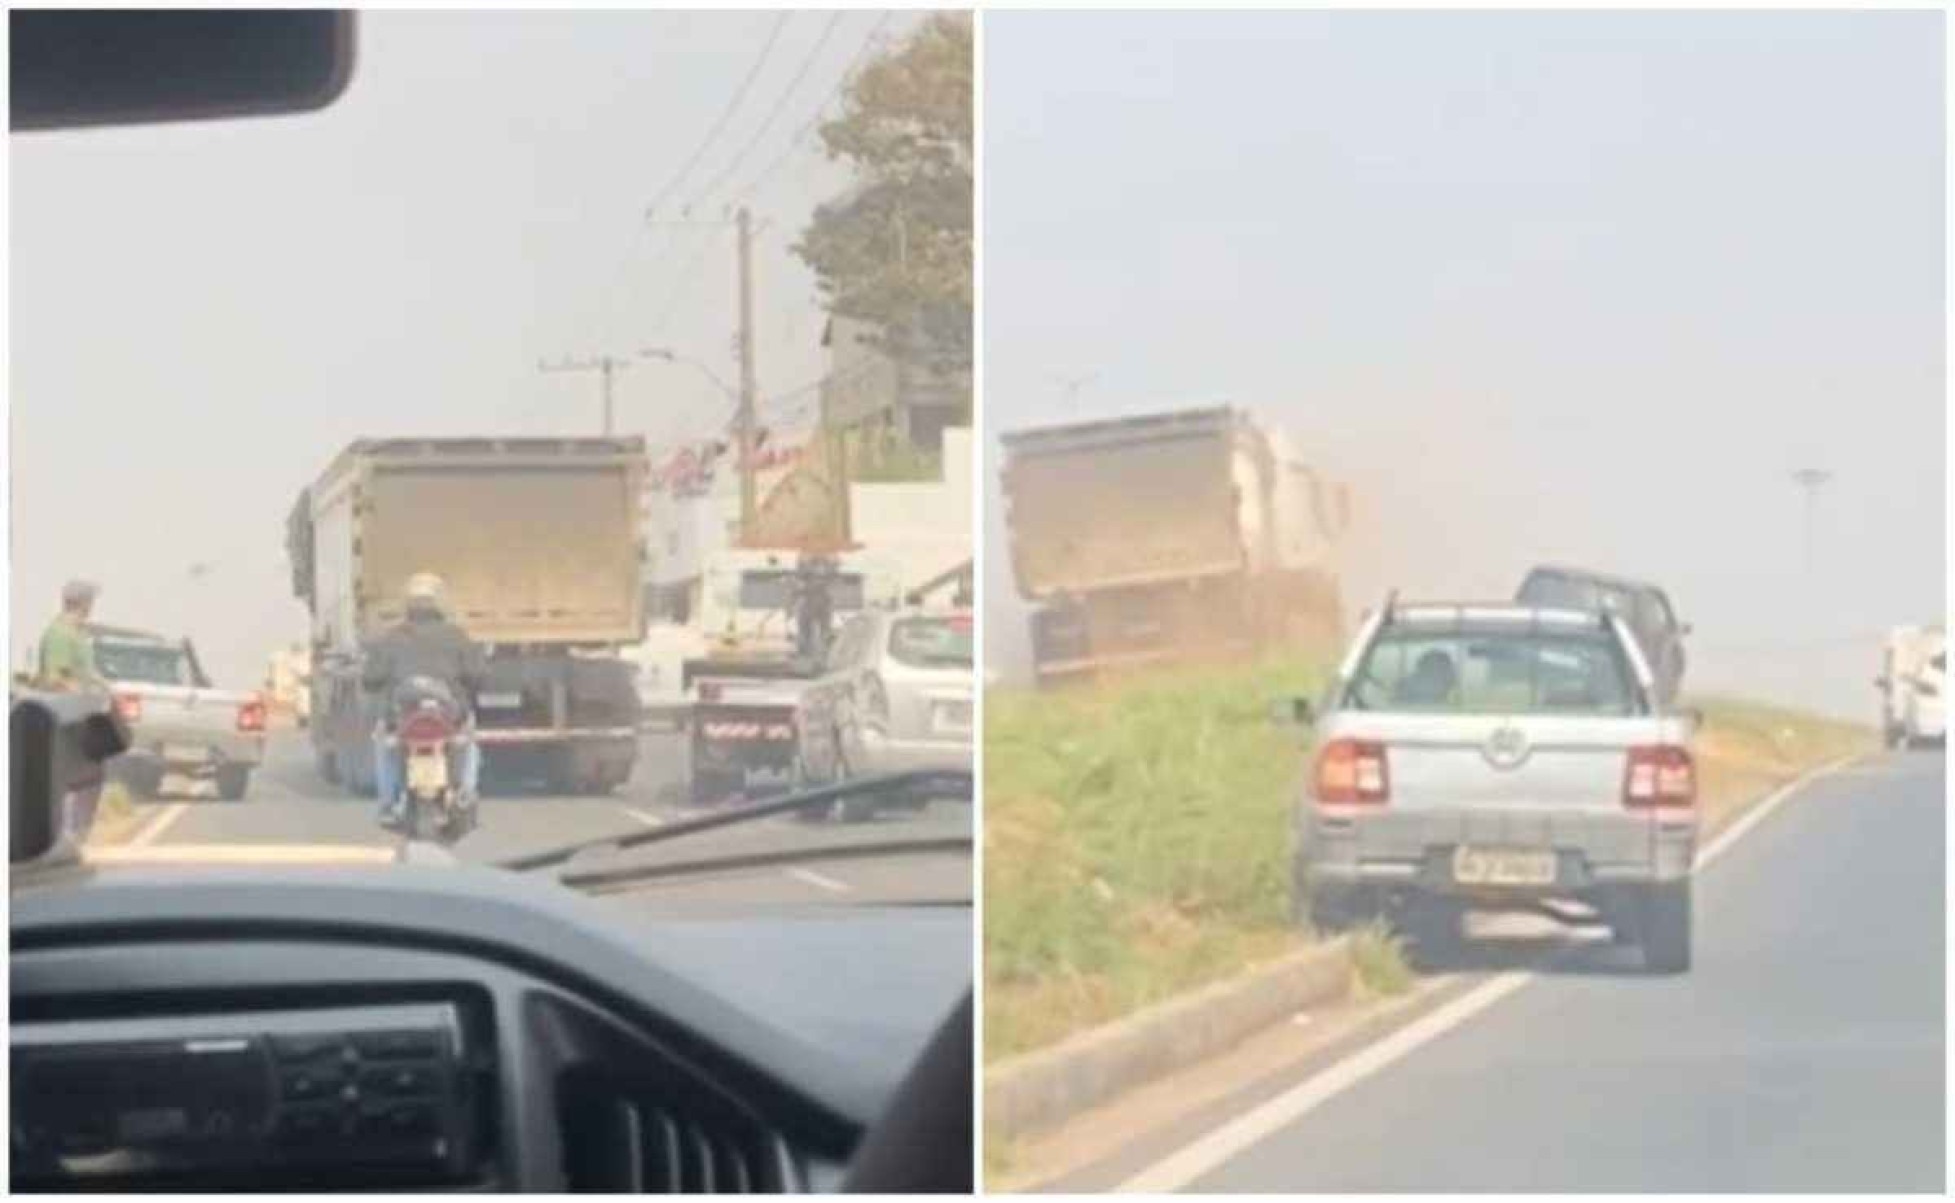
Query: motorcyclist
425	649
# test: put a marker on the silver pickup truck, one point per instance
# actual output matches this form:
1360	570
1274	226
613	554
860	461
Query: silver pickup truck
1499	756
179	724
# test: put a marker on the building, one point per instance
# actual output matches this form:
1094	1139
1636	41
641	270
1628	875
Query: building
879	401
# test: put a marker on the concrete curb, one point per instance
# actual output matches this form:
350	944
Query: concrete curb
1040	1090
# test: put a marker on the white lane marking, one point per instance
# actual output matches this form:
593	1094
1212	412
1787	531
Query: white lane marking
241	854
1758	814
158	825
817	880
645	817
1238	1135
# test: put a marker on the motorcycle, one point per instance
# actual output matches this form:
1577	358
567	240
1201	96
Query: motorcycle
428	731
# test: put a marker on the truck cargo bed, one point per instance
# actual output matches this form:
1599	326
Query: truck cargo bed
1123	502
537	540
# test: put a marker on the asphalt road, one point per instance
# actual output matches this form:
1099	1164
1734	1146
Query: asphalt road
292	816
1804	1052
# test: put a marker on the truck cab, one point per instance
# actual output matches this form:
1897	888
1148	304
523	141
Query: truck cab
1913	667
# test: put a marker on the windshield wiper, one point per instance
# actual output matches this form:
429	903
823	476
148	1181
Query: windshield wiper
634	875
951	784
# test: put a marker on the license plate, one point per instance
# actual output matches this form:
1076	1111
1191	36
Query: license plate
427	774
185	753
1503	867
500	701
953	716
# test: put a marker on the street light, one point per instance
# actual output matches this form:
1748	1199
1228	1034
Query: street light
1811	481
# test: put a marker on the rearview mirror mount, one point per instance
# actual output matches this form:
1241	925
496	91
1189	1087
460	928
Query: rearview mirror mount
74	68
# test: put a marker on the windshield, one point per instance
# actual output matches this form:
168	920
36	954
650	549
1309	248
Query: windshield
1494	673
931	642
776	589
513	385
147	664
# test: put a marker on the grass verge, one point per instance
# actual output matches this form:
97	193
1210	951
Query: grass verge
1137	836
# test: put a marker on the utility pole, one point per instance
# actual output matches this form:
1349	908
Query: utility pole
606	366
745	420
1811	480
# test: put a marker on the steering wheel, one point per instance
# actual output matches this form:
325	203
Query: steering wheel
924	1143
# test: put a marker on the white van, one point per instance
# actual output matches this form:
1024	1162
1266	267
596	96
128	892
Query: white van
1912	665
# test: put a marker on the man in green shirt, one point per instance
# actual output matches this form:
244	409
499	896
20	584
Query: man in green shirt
67	661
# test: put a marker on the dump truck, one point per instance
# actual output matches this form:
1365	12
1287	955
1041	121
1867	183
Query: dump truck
539	542
1169	536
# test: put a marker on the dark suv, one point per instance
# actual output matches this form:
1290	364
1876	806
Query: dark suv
1643	606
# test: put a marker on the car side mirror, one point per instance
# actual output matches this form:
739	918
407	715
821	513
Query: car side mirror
59	745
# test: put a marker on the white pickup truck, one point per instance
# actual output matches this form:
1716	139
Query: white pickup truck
179	724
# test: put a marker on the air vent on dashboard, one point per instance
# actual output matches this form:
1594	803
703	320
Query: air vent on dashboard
620	1137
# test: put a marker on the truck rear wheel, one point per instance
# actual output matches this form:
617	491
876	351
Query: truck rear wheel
145	780
1664	927
233	781
716	785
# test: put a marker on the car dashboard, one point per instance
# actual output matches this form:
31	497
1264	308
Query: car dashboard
405	1027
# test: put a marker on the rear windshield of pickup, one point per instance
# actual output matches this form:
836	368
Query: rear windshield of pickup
1494	672
143	664
932	642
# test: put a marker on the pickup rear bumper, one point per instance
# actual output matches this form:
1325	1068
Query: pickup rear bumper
192	751
1414	853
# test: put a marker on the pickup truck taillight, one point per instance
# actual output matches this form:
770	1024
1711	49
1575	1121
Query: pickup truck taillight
1353	770
1659	775
251	716
129	707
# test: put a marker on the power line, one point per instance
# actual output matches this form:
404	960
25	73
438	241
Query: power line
773	114
684	278
726	114
848	73
687	275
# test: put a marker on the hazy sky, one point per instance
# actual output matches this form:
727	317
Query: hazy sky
203	315
1579	287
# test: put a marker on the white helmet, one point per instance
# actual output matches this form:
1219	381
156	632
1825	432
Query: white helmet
425	591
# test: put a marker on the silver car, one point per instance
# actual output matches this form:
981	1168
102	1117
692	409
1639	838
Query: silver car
1499	756
894	695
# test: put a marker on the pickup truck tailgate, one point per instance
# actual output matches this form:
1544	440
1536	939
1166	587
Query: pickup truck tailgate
1527	762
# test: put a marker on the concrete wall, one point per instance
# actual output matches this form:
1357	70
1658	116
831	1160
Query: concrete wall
925	528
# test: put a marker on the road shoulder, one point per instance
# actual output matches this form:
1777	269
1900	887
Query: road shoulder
1103	1148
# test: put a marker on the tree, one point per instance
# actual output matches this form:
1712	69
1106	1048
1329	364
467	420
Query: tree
896	248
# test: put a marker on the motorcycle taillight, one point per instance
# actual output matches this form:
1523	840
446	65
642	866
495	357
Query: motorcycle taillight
425	727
